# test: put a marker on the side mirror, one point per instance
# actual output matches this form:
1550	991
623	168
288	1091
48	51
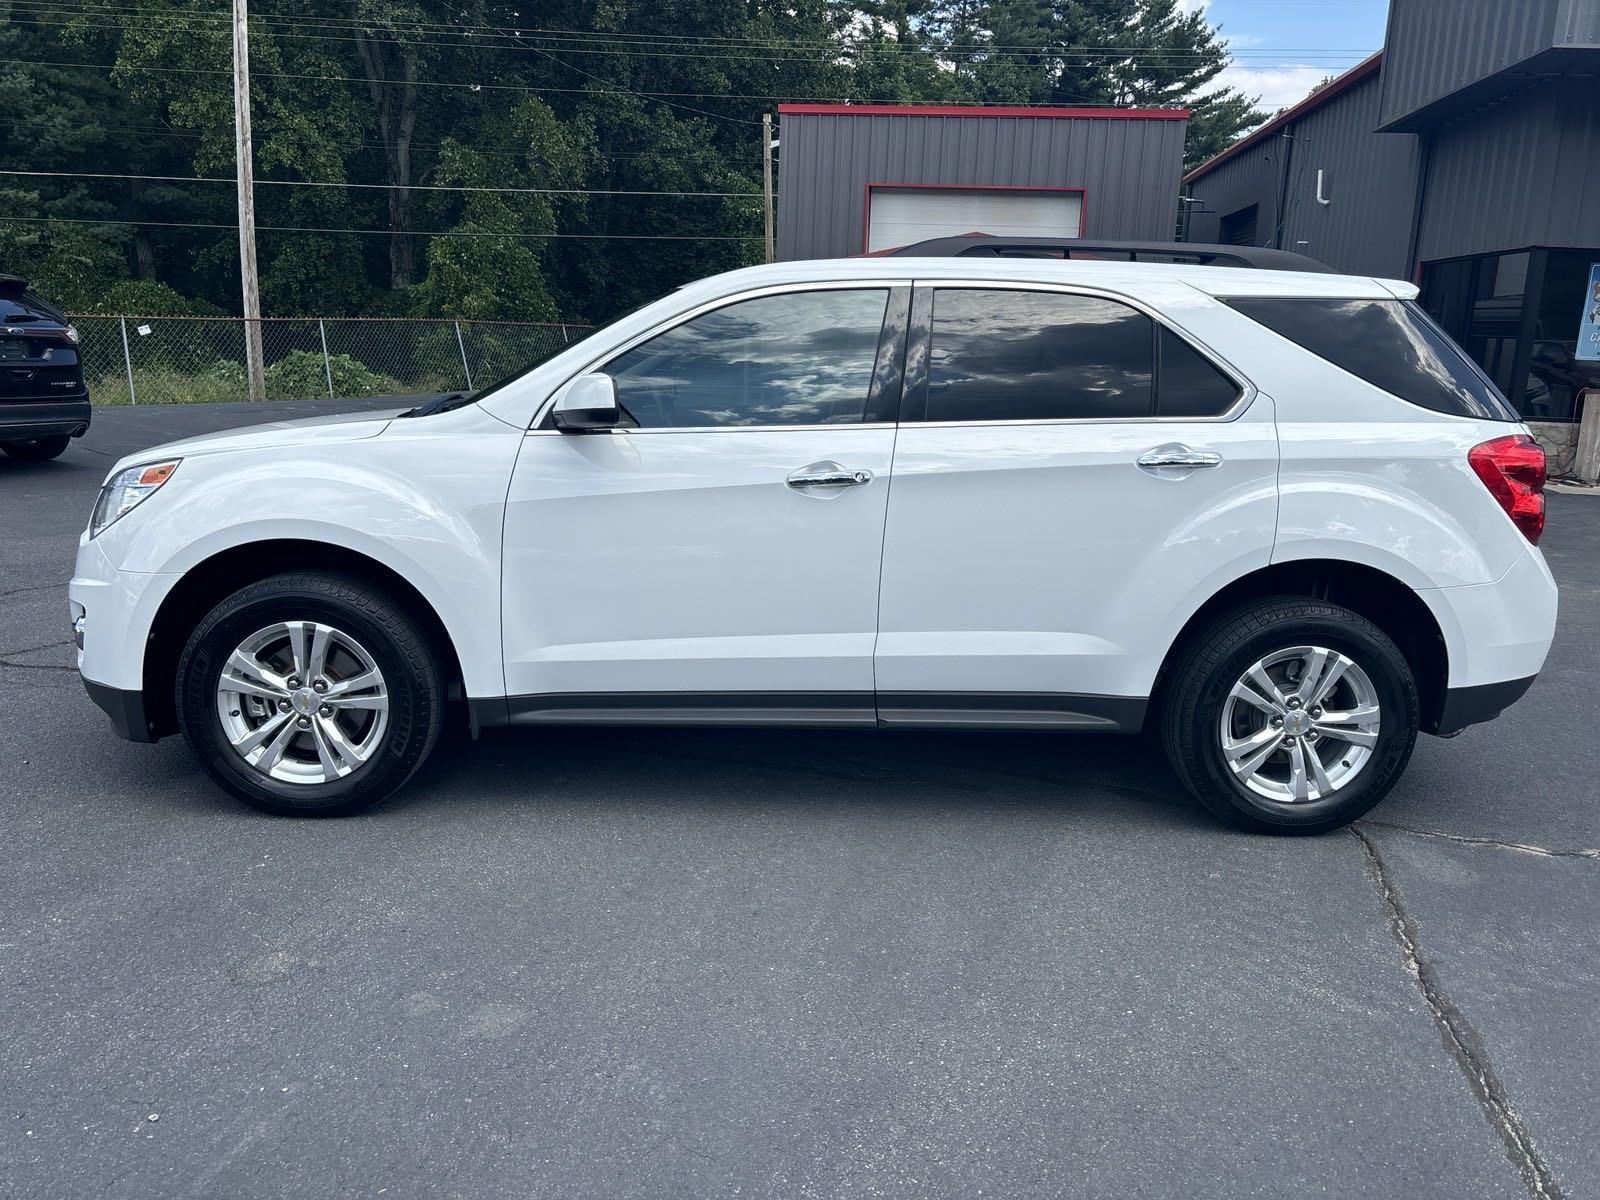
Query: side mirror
588	403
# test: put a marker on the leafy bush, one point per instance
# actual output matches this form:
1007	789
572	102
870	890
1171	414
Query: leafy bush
299	375
147	298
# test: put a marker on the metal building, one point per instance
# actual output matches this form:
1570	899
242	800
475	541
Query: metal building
854	178
1464	156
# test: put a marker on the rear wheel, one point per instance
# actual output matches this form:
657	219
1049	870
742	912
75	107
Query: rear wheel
309	695
36	449
1290	716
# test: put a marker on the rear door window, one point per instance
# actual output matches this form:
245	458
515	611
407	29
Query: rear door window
1391	344
998	355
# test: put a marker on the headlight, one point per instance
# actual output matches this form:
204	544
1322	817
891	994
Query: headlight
126	490
72	334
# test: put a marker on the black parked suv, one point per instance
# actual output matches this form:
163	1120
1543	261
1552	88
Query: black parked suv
43	400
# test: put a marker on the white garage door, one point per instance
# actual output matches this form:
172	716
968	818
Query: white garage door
898	216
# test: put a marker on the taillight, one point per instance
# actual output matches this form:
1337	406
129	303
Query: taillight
1512	468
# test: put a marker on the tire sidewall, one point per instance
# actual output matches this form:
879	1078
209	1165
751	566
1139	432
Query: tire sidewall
200	669
1383	664
41	449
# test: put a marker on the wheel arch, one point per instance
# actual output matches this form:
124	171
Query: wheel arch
1389	603
225	572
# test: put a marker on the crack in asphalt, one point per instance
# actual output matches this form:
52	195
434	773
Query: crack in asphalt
1460	1039
1463	839
32	587
8	658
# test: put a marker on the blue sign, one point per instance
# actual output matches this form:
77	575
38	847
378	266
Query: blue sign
1589	331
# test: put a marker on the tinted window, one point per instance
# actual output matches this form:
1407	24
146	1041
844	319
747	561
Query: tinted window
805	358
1017	356
20	306
1189	385
1390	344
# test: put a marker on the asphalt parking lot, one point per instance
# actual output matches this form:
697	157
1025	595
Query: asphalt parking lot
718	963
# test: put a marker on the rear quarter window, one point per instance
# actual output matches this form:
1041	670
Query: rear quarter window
1390	344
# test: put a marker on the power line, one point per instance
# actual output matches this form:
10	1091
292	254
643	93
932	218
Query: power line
976	105
624	237
194	135
475	87
420	187
811	55
623	37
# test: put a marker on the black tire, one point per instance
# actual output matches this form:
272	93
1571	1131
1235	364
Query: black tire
37	449
385	631
1205	672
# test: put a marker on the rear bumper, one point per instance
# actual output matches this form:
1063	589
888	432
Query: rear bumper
1465	706
22	419
125	708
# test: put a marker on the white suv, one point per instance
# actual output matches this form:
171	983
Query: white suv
1278	519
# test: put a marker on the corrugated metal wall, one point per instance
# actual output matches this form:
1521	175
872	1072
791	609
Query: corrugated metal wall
1249	177
1128	167
1523	172
1436	47
1578	23
1369	178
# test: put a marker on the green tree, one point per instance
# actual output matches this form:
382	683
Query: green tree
1145	53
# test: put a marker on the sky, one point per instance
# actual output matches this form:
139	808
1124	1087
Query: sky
1284	48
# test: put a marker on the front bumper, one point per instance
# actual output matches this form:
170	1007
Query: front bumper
24	419
113	612
125	708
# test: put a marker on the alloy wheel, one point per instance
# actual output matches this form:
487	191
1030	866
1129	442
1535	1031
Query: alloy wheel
302	702
1300	724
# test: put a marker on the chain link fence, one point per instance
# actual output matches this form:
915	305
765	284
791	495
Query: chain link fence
198	360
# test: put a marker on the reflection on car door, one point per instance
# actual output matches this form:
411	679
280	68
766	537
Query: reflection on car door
1068	474
719	558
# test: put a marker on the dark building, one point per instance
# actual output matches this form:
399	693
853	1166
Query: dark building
1464	156
859	177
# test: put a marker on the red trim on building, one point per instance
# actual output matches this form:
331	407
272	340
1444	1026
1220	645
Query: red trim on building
866	200
1343	83
1044	111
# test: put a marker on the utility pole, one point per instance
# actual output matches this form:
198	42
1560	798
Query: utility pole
766	177
254	369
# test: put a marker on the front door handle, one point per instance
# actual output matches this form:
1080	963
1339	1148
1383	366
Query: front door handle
1178	455
828	475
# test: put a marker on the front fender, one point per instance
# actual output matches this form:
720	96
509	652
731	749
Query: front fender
425	500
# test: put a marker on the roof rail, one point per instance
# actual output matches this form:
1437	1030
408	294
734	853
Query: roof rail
1205	254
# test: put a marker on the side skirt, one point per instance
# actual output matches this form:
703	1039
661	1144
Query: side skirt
840	710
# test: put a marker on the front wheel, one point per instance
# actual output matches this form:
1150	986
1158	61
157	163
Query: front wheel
41	449
309	695
1290	716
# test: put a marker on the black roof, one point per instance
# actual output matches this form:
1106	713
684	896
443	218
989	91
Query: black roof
13	283
1205	254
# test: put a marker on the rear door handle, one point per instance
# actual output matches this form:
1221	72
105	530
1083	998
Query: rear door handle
1178	455
828	475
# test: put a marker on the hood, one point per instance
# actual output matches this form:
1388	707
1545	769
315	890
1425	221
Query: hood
344	427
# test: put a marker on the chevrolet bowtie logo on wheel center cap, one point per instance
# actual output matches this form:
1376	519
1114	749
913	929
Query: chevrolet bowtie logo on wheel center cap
305	701
1297	723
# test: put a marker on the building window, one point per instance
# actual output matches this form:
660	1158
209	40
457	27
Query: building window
1565	301
1518	316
